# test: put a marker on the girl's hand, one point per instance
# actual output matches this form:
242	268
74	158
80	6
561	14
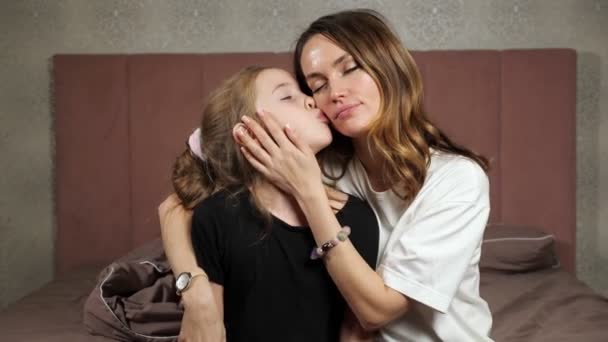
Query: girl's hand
281	156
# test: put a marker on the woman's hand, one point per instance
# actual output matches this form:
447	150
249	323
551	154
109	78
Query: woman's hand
197	326
281	156
203	320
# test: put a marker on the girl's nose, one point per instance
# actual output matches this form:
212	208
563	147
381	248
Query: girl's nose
309	102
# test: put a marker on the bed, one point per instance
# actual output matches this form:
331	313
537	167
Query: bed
120	120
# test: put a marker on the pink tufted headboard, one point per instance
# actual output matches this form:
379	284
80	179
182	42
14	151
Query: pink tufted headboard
120	120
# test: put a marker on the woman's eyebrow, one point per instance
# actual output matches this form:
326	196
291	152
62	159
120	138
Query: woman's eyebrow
334	64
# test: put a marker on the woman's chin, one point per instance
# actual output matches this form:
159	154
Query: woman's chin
353	132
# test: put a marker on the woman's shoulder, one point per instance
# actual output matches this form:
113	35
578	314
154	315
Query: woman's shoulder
456	175
455	165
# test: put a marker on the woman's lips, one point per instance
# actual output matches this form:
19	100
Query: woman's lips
345	112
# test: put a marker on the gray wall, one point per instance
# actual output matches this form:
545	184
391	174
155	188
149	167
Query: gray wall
31	31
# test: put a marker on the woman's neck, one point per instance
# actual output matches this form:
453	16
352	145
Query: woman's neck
280	204
371	163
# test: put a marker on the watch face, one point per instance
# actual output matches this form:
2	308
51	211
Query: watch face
182	281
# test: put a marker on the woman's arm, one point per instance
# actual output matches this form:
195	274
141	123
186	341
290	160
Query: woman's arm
292	166
374	303
352	331
203	316
175	225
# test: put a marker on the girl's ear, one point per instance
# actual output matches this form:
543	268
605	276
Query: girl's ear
238	127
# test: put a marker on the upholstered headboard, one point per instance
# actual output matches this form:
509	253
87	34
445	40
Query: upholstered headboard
120	120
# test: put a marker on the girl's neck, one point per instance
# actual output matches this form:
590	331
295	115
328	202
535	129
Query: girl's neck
371	163
280	204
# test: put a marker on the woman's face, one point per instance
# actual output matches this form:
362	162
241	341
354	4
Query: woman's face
342	90
278	93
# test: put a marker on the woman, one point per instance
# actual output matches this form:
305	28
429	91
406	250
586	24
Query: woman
249	236
431	196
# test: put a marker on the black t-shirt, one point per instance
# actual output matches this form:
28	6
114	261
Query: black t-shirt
273	291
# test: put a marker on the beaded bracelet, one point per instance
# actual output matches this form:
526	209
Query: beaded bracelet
319	252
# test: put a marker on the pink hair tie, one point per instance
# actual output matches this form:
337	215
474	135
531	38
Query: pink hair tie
195	143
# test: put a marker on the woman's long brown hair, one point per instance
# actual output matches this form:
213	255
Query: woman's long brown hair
403	136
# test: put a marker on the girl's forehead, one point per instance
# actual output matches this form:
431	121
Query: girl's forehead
273	77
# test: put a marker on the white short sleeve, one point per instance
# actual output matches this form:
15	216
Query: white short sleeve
434	244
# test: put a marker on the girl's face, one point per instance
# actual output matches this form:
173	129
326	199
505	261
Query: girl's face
342	90
278	93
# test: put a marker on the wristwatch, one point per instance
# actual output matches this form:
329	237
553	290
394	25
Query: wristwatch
184	279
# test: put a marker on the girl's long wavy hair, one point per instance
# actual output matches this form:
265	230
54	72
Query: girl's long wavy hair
402	134
224	167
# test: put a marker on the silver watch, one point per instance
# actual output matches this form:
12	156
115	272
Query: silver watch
183	281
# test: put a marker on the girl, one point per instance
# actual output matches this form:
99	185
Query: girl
249	236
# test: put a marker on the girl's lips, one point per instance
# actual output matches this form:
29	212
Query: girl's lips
323	118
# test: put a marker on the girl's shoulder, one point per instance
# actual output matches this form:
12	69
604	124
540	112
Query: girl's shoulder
222	203
356	207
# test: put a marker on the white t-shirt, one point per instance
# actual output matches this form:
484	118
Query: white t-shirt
430	249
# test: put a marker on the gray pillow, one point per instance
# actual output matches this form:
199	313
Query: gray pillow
517	249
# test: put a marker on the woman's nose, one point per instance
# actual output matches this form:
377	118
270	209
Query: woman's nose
337	91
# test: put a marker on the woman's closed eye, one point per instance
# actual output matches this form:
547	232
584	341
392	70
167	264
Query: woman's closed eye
351	69
286	98
318	88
